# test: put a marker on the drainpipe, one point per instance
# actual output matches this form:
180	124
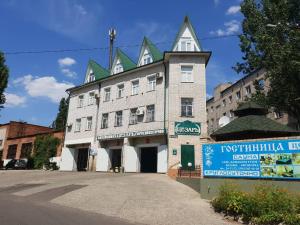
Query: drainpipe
66	123
165	106
97	113
96	122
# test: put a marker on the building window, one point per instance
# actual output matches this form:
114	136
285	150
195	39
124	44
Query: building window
238	95
11	153
89	123
187	74
135	87
150	113
106	94
133	116
78	125
91	76
187	107
230	99
248	90
186	44
80	101
26	150
147	59
92	98
211	109
118	68
118	119
278	114
224	103
120	93
151	83
104	121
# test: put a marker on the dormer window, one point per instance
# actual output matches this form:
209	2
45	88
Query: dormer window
186	44
147	59
91	76
118	68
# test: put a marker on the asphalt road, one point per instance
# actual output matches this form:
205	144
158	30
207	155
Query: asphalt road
37	210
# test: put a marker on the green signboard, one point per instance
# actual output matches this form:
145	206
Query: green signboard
187	128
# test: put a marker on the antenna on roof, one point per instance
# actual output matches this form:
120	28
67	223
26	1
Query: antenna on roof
112	35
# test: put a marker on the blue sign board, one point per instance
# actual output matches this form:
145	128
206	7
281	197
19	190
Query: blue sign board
261	159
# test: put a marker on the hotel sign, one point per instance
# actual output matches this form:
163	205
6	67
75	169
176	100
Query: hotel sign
187	128
260	159
131	134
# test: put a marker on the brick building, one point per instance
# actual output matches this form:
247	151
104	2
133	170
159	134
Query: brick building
227	97
17	139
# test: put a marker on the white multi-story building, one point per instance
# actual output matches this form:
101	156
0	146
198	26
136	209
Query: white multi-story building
148	116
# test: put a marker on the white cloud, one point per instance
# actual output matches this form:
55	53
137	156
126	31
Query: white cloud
64	65
80	9
68	72
13	100
67	61
46	86
231	27
216	2
233	10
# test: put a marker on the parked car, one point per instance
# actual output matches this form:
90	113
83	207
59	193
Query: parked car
16	164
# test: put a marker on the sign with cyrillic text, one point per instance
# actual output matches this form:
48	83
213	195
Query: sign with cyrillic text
261	159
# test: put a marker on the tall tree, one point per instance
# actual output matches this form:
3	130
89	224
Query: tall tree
3	79
271	40
61	118
45	147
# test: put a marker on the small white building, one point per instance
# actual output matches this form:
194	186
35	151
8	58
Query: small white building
145	116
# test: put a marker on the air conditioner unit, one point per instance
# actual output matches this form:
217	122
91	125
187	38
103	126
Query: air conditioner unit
158	75
140	111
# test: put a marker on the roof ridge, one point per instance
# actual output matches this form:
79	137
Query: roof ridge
154	50
102	67
126	61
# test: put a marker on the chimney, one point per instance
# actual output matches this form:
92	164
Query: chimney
112	35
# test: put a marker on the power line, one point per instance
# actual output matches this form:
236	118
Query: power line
103	48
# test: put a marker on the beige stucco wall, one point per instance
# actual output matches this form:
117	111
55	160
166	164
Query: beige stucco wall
83	136
129	101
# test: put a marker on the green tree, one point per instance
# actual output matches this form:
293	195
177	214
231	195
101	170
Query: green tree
3	79
45	147
61	118
271	40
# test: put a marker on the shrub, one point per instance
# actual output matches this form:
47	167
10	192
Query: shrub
230	201
267	205
272	218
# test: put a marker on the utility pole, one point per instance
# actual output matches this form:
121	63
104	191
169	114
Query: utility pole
112	35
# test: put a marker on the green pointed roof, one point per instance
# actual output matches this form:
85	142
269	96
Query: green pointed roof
98	70
250	108
252	123
187	22
155	52
126	62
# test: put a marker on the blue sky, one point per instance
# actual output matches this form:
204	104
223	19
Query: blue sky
38	81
